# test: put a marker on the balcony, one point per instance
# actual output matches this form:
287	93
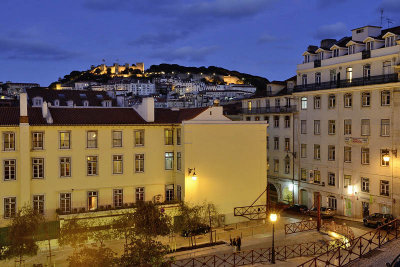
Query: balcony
379	79
284	109
317	63
366	54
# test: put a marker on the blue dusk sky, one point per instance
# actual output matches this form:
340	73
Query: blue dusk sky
42	40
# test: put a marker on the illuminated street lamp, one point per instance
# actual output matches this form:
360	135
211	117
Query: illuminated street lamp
386	158
273	217
193	172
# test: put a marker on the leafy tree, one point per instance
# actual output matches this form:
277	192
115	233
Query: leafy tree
74	233
22	232
124	226
149	221
92	256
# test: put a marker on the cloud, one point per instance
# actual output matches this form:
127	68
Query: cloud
11	48
267	38
158	39
338	29
390	6
188	53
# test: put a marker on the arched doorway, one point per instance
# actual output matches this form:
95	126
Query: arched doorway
273	193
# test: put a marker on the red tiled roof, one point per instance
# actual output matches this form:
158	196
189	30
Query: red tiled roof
96	116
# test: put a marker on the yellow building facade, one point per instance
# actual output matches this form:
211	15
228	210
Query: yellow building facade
83	160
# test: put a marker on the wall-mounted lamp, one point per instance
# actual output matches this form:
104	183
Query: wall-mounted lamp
350	189
386	156
194	176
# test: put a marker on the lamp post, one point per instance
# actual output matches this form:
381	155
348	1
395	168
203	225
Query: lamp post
273	217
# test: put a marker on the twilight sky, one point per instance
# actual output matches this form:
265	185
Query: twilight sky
41	40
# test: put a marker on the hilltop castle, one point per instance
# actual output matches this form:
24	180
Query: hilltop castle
116	69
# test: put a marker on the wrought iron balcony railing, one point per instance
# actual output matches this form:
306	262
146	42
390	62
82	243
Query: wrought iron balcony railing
284	109
379	79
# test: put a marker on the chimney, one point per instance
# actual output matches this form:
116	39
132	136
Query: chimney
46	113
146	109
23	108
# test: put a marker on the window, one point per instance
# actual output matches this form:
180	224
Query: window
287	122
352	49
367	72
303	150
321	55
304	102
331	178
303	174
384	152
169	192
8	141
304	80
139	162
118	198
347	154
65	202
178	136
365	99
332	202
335	52
267	104
179	192
117	164
65	167
249	105
10	207
347	127
139	194
384	188
248	118
317	152
364	184
37	168
364	155
347	180
267	142
277	102
139	138
331	153
317	176
389	41
93	200
318	78
276	143
387	67
9	169
317	102
317	127
178	161
168	136
349	74
385	127
287	144
92	165
331	101
365	127
65	140
331	127
276	165
92	139
303	127
37	141
287	166
257	118
385	98
117	138
169	160
276	121
368	46
38	204
332	76
348	100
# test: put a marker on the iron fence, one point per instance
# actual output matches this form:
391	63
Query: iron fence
344	255
301	226
262	255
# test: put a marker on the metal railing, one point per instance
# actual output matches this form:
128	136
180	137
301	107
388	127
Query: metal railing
251	212
359	246
378	79
283	109
261	255
301	226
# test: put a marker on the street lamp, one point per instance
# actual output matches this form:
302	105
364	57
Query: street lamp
273	217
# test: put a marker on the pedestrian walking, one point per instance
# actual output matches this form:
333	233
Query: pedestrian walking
239	243
230	239
234	244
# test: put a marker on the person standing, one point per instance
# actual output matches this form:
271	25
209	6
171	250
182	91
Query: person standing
239	243
234	244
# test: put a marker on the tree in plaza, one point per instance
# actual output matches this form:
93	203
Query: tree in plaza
74	233
22	232
92	256
124	226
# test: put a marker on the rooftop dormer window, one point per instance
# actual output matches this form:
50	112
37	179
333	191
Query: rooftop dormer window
335	52
37	101
321	55
352	49
389	41
70	103
85	103
306	58
368	46
56	103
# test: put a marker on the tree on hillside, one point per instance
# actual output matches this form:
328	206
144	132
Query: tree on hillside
22	232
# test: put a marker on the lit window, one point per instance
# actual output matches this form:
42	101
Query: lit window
331	101
304	102
168	136
117	164
384	152
178	161
332	202
384	188
178	136
139	162
317	152
117	138
38	204
37	140
65	140
349	74
169	192
169	160
287	144
92	165
303	176
139	137
91	139
331	178
92	200
347	180
8	141
364	184
65	167
347	127
317	176
347	154
331	153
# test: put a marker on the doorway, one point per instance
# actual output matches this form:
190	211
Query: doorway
365	209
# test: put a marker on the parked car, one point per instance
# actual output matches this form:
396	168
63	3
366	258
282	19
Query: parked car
199	230
325	212
377	219
297	208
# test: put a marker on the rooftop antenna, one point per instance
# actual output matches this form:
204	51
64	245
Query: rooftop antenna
381	16
389	21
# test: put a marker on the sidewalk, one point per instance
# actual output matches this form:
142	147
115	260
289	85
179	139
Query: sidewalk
348	218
